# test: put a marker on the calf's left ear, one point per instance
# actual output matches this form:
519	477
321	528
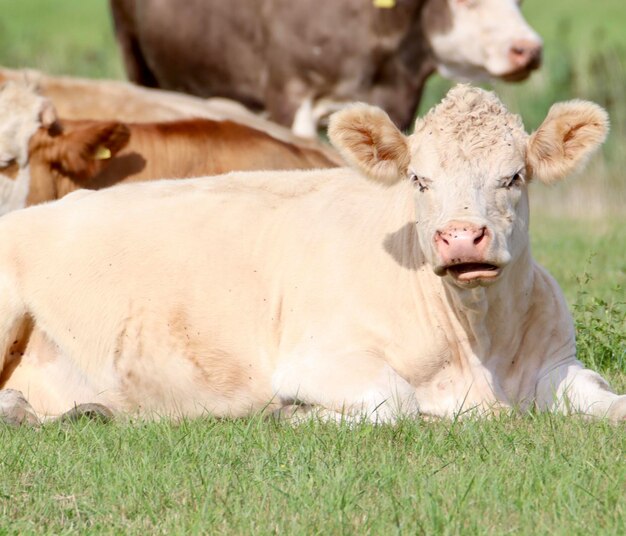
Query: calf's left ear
367	138
568	136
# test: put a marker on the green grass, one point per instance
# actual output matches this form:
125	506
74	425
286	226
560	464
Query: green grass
588	260
573	250
536	474
595	25
59	37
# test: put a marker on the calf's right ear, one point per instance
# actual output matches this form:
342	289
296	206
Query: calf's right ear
367	138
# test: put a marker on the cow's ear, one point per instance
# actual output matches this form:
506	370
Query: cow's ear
47	114
366	137
87	150
568	136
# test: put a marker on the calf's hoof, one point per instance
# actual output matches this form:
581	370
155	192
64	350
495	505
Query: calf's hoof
293	413
617	411
15	409
93	412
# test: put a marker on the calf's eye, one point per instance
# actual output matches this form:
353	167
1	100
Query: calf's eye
515	180
7	162
419	182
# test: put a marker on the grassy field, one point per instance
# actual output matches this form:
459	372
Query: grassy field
60	37
535	474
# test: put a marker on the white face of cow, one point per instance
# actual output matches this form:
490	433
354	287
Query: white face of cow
22	111
478	39
469	175
470	162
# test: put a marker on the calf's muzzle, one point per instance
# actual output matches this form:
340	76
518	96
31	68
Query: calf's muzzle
462	248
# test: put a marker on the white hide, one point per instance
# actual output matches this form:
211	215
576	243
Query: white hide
254	291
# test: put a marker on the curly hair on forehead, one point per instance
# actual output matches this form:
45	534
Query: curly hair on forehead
471	116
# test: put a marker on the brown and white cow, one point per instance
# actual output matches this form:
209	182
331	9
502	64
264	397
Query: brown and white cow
44	158
299	59
113	100
405	287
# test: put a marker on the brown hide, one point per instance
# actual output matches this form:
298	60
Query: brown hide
273	53
97	154
106	100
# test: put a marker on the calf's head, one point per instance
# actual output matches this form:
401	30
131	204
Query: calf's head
470	162
478	39
22	111
36	149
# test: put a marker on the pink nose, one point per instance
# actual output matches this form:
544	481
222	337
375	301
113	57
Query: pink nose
525	54
461	242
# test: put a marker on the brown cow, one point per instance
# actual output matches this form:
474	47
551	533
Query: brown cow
44	158
301	59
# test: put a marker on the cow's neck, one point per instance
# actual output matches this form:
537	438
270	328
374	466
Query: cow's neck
481	331
492	316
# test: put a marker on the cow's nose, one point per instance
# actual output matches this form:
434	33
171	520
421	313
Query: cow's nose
460	242
525	54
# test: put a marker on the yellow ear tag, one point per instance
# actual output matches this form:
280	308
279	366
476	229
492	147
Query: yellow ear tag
385	4
102	153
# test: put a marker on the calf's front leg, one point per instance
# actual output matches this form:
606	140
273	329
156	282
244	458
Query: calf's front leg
353	387
573	389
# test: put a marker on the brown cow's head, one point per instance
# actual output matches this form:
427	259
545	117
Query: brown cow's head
478	39
75	150
470	162
22	111
37	150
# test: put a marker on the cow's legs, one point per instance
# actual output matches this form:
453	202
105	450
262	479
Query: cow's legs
356	386
300	413
324	108
15	409
93	411
310	115
573	389
135	63
304	123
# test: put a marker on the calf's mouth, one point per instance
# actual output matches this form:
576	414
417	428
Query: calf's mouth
471	271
